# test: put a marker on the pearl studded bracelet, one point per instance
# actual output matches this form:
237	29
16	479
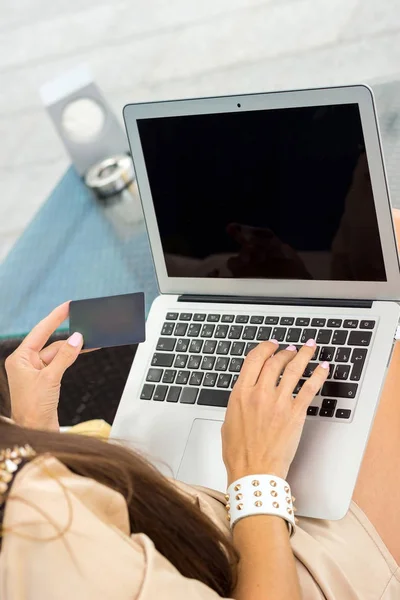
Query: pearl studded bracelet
260	495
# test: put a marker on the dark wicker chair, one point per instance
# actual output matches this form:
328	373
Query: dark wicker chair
91	388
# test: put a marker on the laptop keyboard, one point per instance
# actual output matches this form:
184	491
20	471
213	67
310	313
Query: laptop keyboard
198	357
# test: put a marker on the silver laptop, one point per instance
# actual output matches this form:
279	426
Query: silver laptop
268	217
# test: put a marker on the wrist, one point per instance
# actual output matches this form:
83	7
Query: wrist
38	421
269	469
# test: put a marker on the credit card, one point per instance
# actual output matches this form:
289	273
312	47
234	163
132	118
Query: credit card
109	321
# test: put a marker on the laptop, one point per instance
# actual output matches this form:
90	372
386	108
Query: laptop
268	217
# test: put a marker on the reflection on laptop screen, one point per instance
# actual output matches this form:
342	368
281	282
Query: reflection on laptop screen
282	193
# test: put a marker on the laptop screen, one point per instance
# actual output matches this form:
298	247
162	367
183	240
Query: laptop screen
270	194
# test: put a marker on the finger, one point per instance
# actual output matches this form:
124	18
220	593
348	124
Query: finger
312	386
66	356
295	369
48	353
274	367
254	363
36	339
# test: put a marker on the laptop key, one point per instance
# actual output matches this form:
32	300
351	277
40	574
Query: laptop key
237	348
294	333
343	413
264	333
209	347
235	365
359	338
154	375
166	343
207	331
257	320
318	323
213	318
235	332
221	331
208	363
185	316
228	318
214	397
182	345
312	411
299	386
195	346
339	389
210	379
182	377
194	362
315	355
358	358
342	372
308	334
180	329
324	336
329	403
367	324
199	317
188	395
350	323
339	337
278	334
309	370
342	355
326	412
249	333
169	376
172	316
180	361
147	391
194	329
334	322
223	347
162	360
250	346
160	393
286	321
196	378
234	380
271	320
242	319
224	380
222	363
167	329
327	353
302	322
173	393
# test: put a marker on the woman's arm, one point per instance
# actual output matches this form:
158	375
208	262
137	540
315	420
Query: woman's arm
260	435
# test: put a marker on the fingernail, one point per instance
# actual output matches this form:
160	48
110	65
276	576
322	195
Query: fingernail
325	365
311	343
274	342
75	340
291	348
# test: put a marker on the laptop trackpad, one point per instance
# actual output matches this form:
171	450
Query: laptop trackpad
202	460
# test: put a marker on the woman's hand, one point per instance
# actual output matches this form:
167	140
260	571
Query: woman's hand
34	373
263	422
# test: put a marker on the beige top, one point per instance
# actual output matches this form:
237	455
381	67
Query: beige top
68	537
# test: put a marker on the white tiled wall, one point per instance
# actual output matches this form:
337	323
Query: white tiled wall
154	49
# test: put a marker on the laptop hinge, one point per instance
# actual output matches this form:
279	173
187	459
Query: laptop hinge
332	302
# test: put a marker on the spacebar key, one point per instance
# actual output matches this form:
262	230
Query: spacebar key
214	398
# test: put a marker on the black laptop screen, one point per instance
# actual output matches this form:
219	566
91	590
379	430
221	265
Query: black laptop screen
270	194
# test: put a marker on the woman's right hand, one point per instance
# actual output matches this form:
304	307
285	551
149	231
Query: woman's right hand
264	422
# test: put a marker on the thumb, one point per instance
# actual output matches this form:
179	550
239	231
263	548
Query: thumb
66	356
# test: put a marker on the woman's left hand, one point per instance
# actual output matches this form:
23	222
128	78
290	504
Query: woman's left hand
34	372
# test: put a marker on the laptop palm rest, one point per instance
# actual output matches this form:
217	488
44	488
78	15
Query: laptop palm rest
202	460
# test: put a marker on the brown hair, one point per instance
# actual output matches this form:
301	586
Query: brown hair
175	524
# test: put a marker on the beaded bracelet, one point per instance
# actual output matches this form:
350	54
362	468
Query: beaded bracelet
260	495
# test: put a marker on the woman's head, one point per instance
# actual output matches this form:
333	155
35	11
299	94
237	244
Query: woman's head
175	524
